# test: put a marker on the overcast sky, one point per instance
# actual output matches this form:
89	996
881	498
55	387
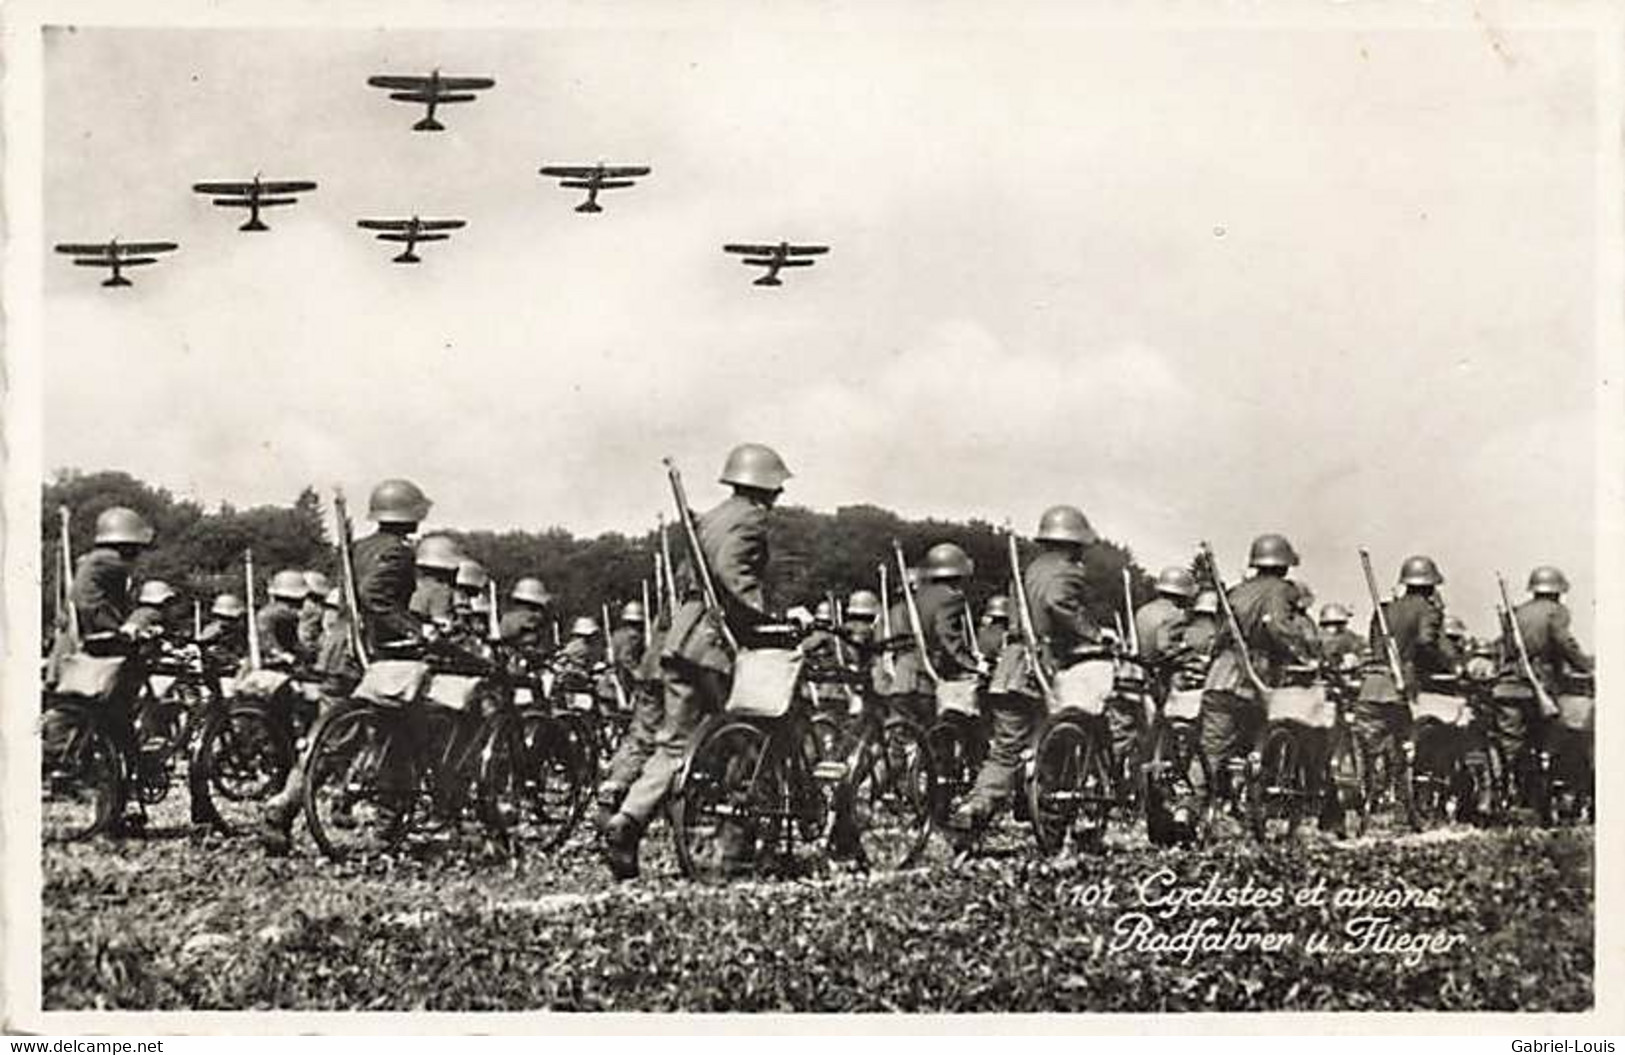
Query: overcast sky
1335	284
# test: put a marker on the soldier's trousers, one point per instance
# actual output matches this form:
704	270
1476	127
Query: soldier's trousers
1126	725
1015	721
691	693
648	711
1231	727
1381	727
1513	722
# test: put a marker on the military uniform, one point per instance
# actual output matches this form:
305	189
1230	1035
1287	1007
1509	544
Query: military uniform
1556	657
101	591
1337	648
991	639
145	621
311	616
1152	625
278	623
648	710
433	601
386	579
224	643
335	658
1381	719
1232	713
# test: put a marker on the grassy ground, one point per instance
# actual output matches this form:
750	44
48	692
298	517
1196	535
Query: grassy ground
168	922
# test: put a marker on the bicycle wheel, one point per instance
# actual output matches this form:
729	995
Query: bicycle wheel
1278	791
1071	787
953	750
531	788
1349	782
582	732
81	776
891	796
242	757
1174	781
362	782
728	802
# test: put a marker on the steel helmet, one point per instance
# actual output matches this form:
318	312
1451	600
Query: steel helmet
632	612
1335	615
755	465
1547	580
334	598
228	606
121	525
1272	551
398	502
317	583
155	592
584	626
439	552
1420	571
1176	582
998	607
472	574
1065	524
946	561
863	604
1454	627
531	590
823	613
1207	601
289	584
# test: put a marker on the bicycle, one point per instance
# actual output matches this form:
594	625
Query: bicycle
1175	772
1444	787
1070	785
247	744
1289	777
90	764
1569	753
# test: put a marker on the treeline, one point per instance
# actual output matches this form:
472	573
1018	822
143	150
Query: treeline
200	551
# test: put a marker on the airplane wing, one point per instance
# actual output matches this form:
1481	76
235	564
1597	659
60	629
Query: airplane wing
297	186
604	184
404	236
466	84
102	261
568	171
807	250
624	171
146	248
384	225
136	261
399	83
441	225
223	188
83	249
752	250
266	202
431	97
240	203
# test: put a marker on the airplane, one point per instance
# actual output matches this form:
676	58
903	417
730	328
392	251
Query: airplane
116	255
254	196
411	231
775	257
594	178
433	90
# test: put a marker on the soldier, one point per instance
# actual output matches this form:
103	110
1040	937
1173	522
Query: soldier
224	639
1554	654
1190	648
583	649
1055	589
628	639
151	603
470	586
336	660
1340	647
641	679
945	612
860	627
1153	622
696	663
278	620
313	612
1232	713
524	624
384	584
995	630
433	594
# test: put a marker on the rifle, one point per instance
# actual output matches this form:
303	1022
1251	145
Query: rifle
66	608
1128	610
493	621
1024	615
649	614
914	616
1389	648
1231	622
556	638
609	657
609	642
885	621
708	589
1548	708
197	619
669	572
352	600
253	613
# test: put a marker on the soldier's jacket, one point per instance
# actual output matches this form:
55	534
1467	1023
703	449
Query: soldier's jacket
310	626
1553	650
144	619
1417	623
1056	591
386	577
1265	610
433	601
733	537
335	655
629	648
991	639
278	623
101	591
1153	624
945	621
1336	647
523	627
1188	648
909	676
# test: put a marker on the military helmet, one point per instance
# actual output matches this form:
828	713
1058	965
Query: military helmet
334	598
1176	582
121	525
531	590
155	592
472	574
1454	628
1272	551
998	607
946	561
1548	580
289	584
1335	615
1420	571
228	606
439	552
398	502
317	583
862	604
584	626
755	465
632	612
1065	524
823	612
1207	601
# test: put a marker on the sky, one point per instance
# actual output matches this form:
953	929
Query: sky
1201	284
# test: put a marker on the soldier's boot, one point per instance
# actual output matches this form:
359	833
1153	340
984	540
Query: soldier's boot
609	800
620	846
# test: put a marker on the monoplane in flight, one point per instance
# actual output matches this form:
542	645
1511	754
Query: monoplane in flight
775	258
594	178
116	255
254	195
432	91
411	231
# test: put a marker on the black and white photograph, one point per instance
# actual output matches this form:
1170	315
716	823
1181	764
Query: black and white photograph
812	510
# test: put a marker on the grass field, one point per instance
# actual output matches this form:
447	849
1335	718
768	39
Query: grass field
1474	921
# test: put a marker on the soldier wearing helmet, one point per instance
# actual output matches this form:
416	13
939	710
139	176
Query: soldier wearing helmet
278	619
639	671
468	591
696	665
434	594
1232	716
101	579
152	602
860	623
224	638
1340	648
1556	656
1156	620
583	648
312	612
994	632
1057	592
629	640
945	620
524	624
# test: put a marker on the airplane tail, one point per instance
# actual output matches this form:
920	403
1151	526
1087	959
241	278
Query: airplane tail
768	280
589	206
117	280
428	124
253	225
407	257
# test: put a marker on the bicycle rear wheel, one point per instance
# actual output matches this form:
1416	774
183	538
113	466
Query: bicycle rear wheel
891	799
728	804
81	776
531	789
362	782
1071	788
1278	791
242	757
